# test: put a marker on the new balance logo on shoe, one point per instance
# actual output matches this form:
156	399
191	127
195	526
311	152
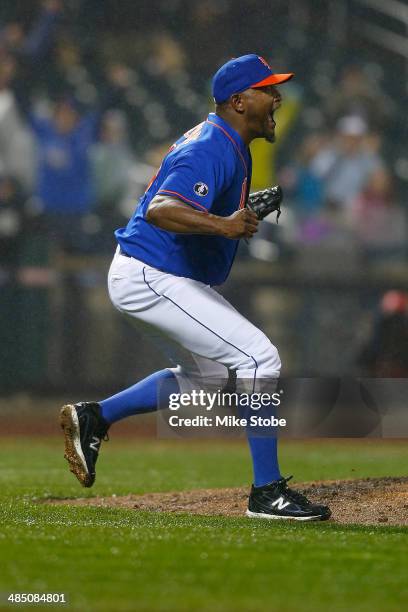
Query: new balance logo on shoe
95	444
280	503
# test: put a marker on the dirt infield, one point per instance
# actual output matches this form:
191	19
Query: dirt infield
371	501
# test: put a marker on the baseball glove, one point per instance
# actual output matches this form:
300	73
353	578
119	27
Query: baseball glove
266	201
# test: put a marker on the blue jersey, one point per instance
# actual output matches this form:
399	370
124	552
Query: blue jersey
208	168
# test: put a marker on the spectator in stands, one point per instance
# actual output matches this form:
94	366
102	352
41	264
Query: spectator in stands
385	353
356	94
346	164
378	221
19	52
34	44
112	162
64	184
112	159
17	157
300	183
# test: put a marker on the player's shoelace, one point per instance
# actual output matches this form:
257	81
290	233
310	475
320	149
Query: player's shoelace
101	431
291	494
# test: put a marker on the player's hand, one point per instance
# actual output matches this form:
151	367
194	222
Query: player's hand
241	224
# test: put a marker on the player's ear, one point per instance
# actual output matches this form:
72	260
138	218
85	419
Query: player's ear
237	102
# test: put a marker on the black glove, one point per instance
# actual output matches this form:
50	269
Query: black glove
266	201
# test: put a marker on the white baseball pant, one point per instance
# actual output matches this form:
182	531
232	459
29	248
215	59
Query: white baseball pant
193	324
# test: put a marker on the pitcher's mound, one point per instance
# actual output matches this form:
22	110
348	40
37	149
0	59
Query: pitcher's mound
370	501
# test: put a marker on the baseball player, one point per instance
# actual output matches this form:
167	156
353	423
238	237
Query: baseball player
179	244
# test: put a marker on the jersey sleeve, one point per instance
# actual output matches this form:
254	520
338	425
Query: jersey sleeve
197	177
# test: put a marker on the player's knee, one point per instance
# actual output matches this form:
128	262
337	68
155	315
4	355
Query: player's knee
263	359
269	363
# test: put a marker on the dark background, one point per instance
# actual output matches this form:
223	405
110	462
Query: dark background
327	285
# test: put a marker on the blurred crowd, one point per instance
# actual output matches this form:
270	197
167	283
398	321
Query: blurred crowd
67	168
81	132
93	93
340	190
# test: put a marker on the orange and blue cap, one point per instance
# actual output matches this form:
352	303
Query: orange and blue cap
245	72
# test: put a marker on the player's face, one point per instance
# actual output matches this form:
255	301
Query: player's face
261	104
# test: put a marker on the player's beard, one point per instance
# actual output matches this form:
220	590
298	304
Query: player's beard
270	137
262	126
269	133
269	128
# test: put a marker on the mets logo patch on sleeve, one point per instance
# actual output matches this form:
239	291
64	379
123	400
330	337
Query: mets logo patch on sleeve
201	189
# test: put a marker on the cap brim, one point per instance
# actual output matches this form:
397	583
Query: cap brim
274	79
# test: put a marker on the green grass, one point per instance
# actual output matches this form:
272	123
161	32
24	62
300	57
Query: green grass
112	559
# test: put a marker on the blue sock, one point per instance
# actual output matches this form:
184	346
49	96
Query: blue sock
264	453
138	399
264	448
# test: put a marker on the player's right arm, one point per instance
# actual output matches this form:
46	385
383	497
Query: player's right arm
173	215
